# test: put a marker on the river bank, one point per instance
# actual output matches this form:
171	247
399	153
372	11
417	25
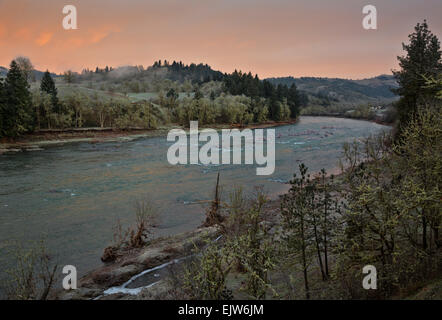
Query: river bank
39	140
145	273
148	272
123	277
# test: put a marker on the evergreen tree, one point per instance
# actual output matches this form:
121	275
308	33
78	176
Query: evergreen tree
18	115
423	60
293	101
295	210
48	86
2	107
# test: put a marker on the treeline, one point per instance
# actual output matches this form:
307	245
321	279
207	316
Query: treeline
186	78
226	109
163	76
238	99
81	110
276	97
198	73
23	110
174	71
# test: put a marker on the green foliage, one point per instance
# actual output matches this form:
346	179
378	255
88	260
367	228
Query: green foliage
138	115
48	85
420	152
2	108
18	113
245	246
422	60
294	210
204	278
283	102
435	85
224	109
392	216
309	212
252	243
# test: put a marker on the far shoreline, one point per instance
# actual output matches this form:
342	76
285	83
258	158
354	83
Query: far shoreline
38	140
56	137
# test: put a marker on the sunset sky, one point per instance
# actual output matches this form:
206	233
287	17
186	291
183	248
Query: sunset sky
268	37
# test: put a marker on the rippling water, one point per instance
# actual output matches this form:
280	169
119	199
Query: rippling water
73	194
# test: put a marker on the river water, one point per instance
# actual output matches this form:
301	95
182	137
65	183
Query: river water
72	195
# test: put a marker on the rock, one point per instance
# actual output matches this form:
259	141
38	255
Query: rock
79	294
122	274
123	266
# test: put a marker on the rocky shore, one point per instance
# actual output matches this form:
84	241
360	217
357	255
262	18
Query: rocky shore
117	280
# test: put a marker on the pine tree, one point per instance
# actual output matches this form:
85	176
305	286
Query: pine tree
294	210
423	60
293	101
48	86
18	115
2	107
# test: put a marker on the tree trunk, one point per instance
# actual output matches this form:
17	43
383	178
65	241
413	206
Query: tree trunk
318	250
325	240
304	262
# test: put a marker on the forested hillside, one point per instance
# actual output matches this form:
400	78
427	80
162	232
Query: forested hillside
134	97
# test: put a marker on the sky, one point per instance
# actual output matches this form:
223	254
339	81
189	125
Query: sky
272	38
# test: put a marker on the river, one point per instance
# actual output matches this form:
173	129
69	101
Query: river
72	195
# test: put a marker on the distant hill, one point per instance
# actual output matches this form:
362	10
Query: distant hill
343	91
3	72
37	74
176	71
319	91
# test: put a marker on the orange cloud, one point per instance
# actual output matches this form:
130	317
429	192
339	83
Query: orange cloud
74	42
99	35
271	38
44	38
91	37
